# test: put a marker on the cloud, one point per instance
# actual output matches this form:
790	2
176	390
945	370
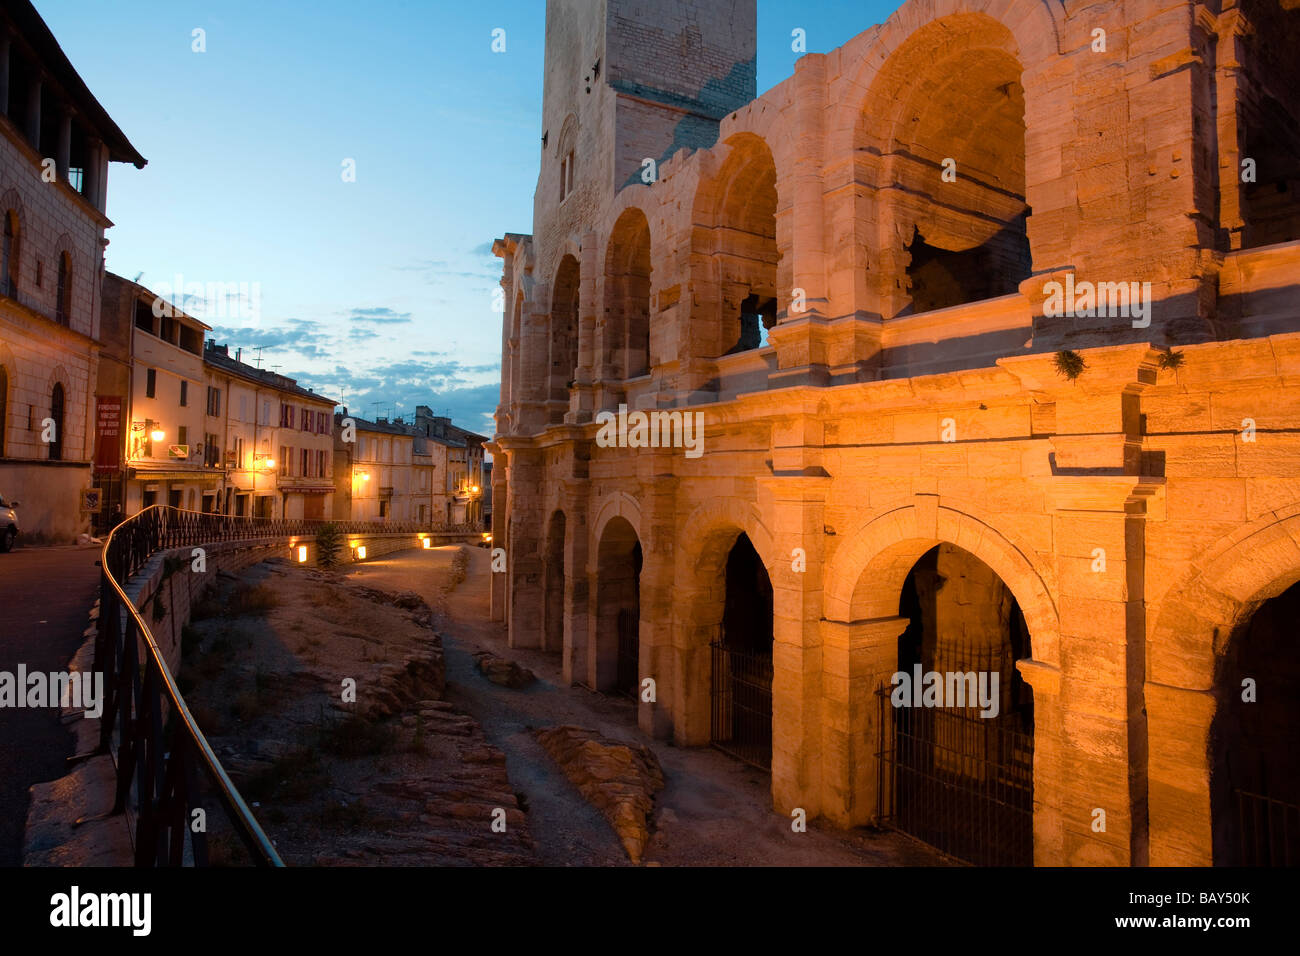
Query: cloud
416	377
379	316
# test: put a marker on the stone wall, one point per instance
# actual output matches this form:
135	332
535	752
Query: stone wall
1135	487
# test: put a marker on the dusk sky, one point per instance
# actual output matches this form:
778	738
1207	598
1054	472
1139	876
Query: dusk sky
378	290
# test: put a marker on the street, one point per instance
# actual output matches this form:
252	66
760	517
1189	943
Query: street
45	595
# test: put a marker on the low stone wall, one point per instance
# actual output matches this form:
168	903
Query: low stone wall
164	591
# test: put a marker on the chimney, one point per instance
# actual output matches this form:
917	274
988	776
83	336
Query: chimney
238	353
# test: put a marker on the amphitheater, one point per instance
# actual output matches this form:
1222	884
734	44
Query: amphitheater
913	458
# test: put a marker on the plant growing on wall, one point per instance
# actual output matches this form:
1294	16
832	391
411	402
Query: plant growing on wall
1171	359
329	544
1070	364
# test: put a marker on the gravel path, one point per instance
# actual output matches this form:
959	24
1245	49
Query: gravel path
713	811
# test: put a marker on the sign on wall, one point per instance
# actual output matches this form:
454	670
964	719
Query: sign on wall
108	434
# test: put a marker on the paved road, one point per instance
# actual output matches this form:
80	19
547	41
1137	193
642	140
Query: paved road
45	595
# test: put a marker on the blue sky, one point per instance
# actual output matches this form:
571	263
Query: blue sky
378	290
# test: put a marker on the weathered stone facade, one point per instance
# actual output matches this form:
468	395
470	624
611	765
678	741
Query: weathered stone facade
56	143
894	215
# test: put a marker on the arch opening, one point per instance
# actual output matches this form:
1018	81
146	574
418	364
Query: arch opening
956	720
618	608
1255	740
740	220
953	168
741	673
626	349
564	338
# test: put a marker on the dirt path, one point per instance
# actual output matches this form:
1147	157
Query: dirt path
713	811
383	771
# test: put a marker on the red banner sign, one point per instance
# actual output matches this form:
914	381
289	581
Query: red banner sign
108	434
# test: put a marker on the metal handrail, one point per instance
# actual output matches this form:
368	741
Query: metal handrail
165	759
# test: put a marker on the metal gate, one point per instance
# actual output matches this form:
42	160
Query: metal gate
960	782
629	650
1268	830
742	704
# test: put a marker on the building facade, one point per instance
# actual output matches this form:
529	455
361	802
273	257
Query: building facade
893	426
166	452
375	470
274	441
459	491
56	144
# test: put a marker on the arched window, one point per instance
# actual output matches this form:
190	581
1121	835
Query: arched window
56	413
63	310
9	256
4	407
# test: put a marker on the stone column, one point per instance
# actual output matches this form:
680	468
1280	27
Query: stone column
1230	31
1179	781
802	225
1049	762
857	658
578	653
500	521
795	500
581	397
524	547
658	597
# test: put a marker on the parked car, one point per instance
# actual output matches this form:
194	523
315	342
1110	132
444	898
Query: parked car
8	524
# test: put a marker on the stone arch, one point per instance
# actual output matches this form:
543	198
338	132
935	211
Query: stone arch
566	154
1035	25
946	117
618	505
1195	622
12	223
865	576
563	336
58	403
862	625
616	596
65	271
699	589
734	241
625	346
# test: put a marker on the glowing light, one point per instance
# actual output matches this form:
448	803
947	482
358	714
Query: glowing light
361	552
158	434
302	553
269	462
428	543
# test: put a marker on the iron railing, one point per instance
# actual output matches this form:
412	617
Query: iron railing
960	782
1269	830
162	757
741	698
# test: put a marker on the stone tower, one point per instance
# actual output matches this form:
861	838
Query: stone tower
631	80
